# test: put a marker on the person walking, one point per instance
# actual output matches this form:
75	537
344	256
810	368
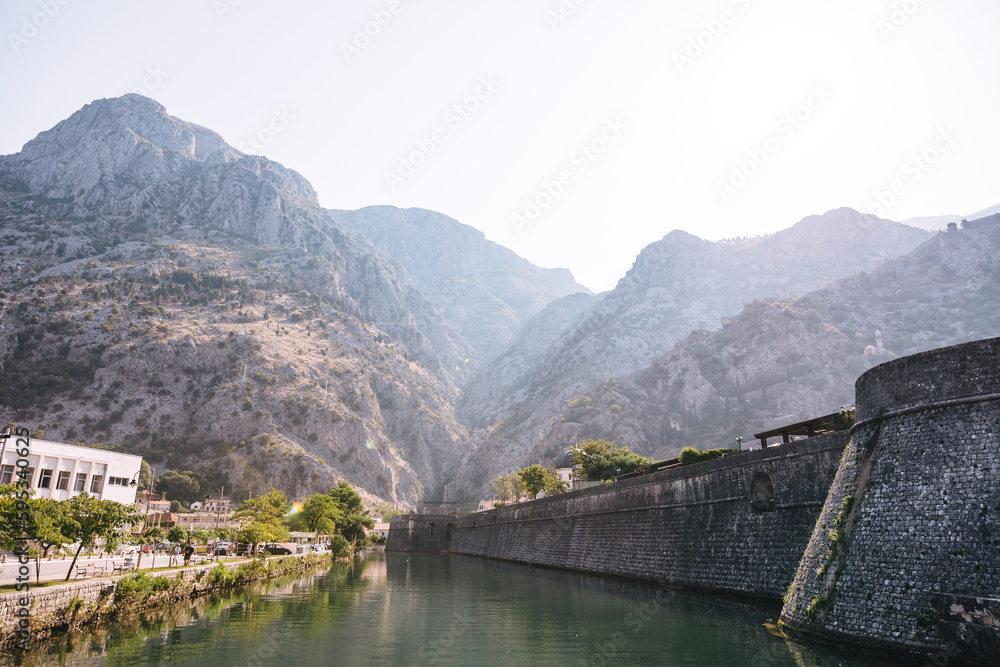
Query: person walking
175	556
188	551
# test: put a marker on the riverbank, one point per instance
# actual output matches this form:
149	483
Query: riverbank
80	603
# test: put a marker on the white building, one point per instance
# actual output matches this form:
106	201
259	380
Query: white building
380	529
215	504
60	471
565	465
206	520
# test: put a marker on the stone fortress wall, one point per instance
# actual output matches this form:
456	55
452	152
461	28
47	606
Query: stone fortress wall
904	554
698	525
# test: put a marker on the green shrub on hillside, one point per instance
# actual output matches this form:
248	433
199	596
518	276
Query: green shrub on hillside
691	455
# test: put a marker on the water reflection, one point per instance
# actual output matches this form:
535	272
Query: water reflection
420	609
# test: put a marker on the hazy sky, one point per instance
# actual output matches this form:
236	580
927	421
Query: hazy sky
574	132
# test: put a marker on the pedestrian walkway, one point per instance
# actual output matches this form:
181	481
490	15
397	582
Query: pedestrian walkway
55	570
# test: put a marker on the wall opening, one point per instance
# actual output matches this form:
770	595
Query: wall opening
447	534
432	526
762	493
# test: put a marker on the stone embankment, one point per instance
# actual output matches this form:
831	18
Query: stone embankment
78	603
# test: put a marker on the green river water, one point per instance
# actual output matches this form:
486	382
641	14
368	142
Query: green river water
430	609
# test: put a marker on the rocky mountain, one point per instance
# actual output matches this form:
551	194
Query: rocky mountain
169	295
676	285
172	296
484	291
782	361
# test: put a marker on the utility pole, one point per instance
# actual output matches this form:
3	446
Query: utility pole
218	509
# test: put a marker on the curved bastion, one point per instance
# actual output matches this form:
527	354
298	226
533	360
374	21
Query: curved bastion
906	552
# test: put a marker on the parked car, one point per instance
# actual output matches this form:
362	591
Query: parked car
276	550
129	549
244	549
304	548
223	549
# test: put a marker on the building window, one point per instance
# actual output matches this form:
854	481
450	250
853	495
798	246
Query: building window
63	482
29	474
81	481
45	479
6	474
95	483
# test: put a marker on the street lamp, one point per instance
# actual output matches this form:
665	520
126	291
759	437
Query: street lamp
135	483
739	442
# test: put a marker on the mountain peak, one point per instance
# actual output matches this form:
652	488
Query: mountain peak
127	156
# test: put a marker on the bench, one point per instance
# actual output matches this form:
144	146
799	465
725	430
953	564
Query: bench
89	570
125	566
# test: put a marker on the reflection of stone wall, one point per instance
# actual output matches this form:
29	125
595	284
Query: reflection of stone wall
693	526
912	522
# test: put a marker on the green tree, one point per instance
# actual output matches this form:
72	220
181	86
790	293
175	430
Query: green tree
600	460
347	498
42	519
89	519
353	526
48	524
266	516
253	534
321	514
145	474
151	536
10	513
554	485
177	534
355	518
537	479
507	486
179	485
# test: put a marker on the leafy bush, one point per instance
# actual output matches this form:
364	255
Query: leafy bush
339	546
137	586
220	576
582	402
249	571
601	459
691	455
